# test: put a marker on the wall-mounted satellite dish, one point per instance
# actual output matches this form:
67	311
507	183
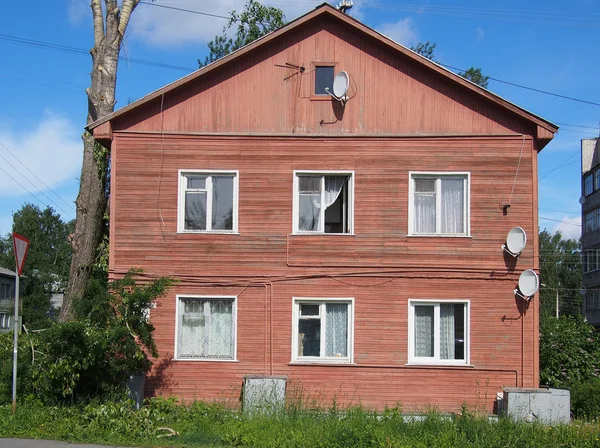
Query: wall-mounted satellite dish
515	241
582	200
529	282
341	83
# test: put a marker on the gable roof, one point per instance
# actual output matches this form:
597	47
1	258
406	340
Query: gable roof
545	128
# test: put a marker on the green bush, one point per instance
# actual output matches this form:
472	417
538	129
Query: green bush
585	400
92	356
569	351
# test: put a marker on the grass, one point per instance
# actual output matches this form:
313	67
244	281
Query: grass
205	424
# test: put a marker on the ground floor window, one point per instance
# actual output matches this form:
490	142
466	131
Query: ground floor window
5	321
206	328
438	332
323	330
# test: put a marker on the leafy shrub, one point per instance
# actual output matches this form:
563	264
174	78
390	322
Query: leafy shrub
585	399
89	357
569	351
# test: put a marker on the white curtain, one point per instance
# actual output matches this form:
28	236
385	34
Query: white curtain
424	331
206	329
452	206
333	188
309	215
336	331
447	334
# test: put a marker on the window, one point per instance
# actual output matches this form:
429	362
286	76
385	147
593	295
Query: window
323	202
5	321
206	328
597	184
588	184
324	75
208	201
592	300
591	260
438	332
439	204
323	330
591	221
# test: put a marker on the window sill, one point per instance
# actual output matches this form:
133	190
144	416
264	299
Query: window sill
436	235
321	234
438	364
205	232
321	363
203	360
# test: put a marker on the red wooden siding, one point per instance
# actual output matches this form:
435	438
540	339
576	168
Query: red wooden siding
390	93
380	266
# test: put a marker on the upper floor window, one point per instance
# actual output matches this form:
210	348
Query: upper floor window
208	201
588	184
323	202
439	204
323	330
206	328
438	332
324	74
591	221
6	291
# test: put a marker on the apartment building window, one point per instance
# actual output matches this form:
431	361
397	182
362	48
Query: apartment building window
5	321
592	300
208	201
438	332
591	260
206	328
439	204
588	184
323	330
323	202
591	221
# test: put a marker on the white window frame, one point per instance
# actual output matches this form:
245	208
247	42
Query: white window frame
466	175
6	320
182	187
435	360
296	302
296	201
179	298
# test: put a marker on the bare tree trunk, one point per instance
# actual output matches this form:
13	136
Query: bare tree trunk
92	199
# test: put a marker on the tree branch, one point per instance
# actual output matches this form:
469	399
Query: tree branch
126	10
98	22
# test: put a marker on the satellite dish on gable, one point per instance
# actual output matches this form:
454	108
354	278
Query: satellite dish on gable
515	241
529	283
341	83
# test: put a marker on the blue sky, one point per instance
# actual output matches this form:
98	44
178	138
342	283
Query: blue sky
550	45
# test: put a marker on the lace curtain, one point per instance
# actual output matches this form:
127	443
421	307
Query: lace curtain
336	331
447	331
206	329
424	344
452	206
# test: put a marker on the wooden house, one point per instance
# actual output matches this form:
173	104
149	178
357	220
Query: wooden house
352	247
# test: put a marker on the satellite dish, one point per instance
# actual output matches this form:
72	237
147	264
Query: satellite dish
341	83
529	282
582	290
582	200
515	241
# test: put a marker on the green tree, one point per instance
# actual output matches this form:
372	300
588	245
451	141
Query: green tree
253	22
427	49
46	267
560	272
474	75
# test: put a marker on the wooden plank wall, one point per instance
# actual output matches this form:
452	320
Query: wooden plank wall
390	94
144	234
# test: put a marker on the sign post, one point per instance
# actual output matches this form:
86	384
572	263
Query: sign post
20	246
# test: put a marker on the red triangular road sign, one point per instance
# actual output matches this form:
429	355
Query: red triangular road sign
21	245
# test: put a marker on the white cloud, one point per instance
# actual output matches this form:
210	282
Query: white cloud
404	31
78	10
570	228
479	33
166	28
52	151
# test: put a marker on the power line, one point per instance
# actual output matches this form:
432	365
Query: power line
558	220
34	175
18	183
578	126
24	177
559	211
186	10
576	153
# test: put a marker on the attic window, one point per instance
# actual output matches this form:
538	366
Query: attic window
323	79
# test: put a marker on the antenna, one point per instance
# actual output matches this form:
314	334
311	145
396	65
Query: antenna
529	282
341	83
515	241
345	5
